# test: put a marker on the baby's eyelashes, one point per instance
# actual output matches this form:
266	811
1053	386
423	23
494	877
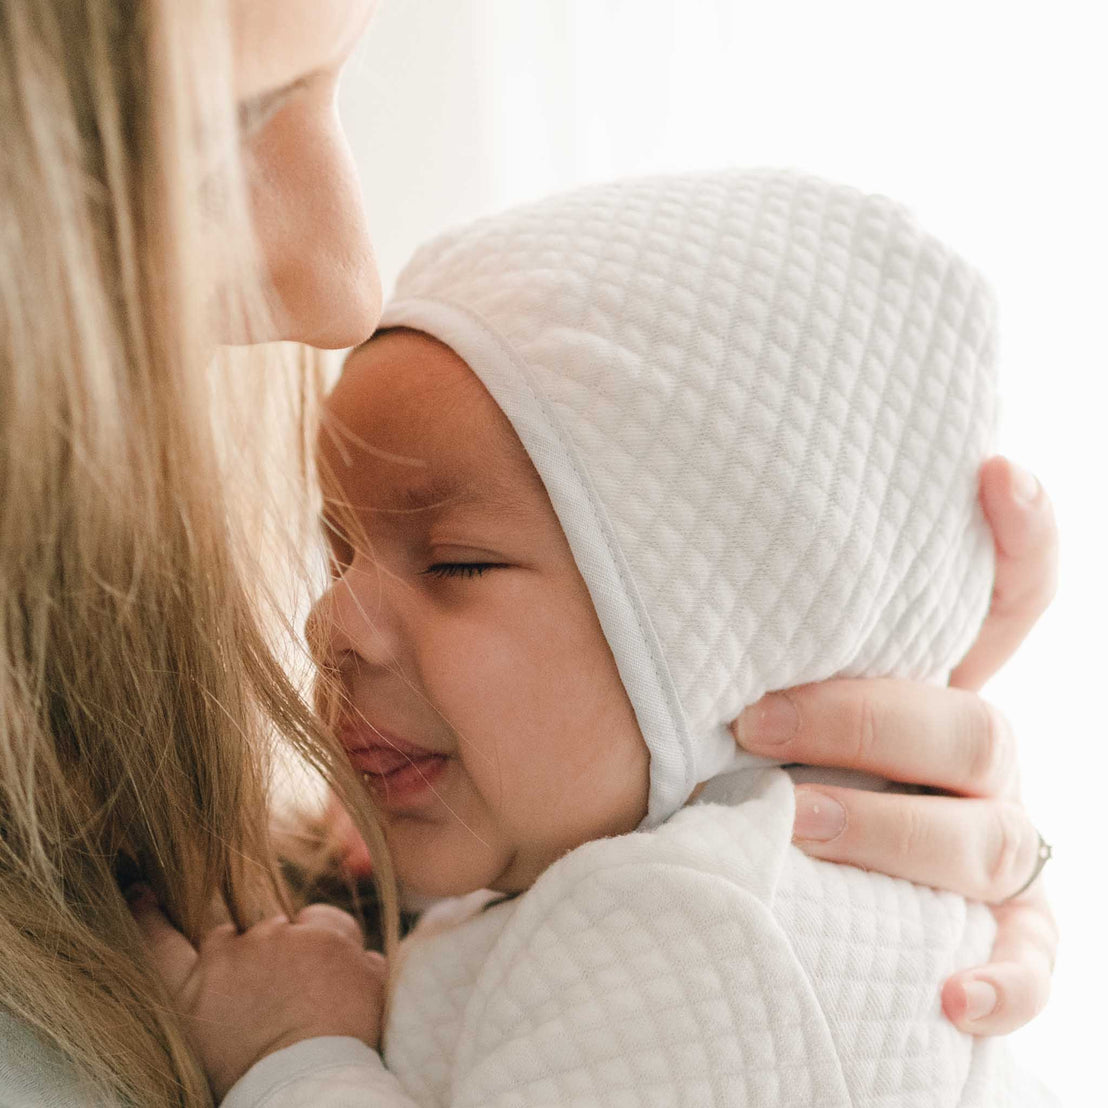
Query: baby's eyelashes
461	569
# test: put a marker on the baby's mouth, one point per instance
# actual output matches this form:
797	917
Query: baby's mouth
381	761
401	783
400	773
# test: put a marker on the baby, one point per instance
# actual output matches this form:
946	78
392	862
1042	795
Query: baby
620	463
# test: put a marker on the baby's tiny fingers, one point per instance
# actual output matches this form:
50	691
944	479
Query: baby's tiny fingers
982	849
353	854
329	918
171	954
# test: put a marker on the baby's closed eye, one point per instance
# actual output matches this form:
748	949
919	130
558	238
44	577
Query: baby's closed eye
461	569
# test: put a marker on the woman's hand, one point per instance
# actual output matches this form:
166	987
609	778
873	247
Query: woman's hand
244	996
978	842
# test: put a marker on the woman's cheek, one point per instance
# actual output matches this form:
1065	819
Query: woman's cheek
312	228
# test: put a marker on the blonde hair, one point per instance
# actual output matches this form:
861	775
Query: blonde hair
140	688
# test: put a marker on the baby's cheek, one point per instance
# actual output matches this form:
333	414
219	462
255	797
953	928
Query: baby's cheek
552	748
607	785
476	668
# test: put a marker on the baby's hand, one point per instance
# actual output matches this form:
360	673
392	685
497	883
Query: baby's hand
244	996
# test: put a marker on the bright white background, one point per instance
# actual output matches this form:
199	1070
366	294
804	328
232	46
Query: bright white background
986	117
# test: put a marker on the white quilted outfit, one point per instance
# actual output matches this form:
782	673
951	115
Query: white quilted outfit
758	403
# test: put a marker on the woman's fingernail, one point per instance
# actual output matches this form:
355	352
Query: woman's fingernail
772	721
1025	486
819	817
981	999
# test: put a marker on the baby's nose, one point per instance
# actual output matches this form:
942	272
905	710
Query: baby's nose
353	617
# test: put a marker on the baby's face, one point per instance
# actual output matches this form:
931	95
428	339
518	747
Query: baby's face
484	707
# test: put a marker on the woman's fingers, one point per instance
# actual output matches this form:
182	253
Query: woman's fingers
983	849
945	738
1014	987
1026	537
173	956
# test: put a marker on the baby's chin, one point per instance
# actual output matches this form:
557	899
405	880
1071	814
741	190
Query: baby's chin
436	860
444	870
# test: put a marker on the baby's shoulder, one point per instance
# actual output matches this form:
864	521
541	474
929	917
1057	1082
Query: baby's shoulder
437	969
739	837
712	857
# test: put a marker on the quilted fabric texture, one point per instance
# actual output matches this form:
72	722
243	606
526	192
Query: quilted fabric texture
705	963
758	402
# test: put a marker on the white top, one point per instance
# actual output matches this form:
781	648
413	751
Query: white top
708	962
705	963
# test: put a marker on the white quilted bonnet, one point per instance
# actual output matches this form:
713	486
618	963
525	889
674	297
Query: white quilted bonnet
758	402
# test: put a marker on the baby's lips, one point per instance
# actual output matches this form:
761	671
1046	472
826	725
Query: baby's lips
380	760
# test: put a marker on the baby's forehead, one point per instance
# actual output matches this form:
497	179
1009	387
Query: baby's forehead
404	388
410	419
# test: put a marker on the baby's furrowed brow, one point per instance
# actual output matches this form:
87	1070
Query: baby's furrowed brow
443	494
435	494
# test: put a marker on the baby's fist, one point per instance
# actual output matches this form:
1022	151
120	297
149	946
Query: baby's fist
245	996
